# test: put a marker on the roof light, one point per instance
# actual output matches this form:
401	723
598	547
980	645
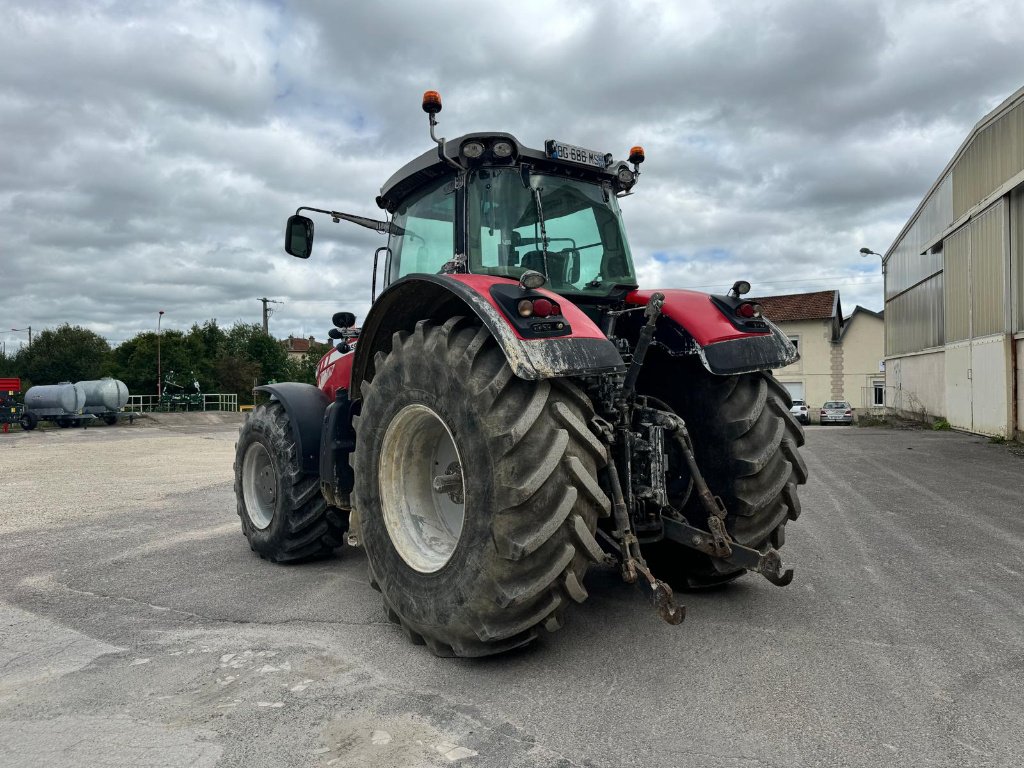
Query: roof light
431	102
625	176
636	155
473	149
502	149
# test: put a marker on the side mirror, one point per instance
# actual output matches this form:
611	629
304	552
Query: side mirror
298	236
343	320
573	266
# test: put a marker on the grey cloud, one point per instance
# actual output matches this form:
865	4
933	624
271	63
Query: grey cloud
153	149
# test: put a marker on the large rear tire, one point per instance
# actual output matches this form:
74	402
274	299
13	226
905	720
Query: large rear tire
746	443
477	491
284	515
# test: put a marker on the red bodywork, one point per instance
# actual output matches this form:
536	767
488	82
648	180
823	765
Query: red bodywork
696	313
11	386
334	371
691	310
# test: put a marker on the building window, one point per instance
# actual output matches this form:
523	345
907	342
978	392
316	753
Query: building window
795	340
879	393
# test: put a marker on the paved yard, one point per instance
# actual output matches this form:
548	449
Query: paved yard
136	628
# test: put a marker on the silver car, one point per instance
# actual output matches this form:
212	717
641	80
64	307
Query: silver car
837	412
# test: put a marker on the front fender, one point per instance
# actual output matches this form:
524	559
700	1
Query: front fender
305	406
723	348
584	351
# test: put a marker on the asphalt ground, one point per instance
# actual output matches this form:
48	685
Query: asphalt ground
137	628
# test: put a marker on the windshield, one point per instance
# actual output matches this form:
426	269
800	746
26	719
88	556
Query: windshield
586	251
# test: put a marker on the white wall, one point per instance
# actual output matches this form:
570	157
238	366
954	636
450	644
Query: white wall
917	383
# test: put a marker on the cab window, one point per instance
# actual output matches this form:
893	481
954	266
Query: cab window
427	223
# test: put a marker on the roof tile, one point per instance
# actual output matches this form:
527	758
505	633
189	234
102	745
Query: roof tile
820	305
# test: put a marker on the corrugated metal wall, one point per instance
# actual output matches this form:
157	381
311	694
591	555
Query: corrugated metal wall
995	155
907	265
956	250
913	320
988	241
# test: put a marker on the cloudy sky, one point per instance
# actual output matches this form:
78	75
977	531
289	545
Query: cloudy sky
152	150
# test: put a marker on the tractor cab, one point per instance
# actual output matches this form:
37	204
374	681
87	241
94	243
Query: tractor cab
563	224
485	204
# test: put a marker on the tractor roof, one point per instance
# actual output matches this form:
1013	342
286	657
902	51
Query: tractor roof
430	166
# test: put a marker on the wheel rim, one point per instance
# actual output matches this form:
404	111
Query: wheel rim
422	488
259	485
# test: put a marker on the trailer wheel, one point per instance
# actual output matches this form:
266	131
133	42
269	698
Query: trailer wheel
110	419
29	421
476	491
747	447
63	422
284	515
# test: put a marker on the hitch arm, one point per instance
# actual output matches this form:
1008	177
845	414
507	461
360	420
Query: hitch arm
768	564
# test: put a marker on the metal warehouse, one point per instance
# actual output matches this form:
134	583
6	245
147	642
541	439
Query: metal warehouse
954	286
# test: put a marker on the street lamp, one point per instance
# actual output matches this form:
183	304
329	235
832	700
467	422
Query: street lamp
159	378
22	330
869	252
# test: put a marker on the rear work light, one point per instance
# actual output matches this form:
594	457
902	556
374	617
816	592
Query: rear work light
748	310
538	308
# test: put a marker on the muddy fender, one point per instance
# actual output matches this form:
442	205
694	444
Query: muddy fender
305	405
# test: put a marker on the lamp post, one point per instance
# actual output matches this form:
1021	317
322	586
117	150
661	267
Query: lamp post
22	330
159	377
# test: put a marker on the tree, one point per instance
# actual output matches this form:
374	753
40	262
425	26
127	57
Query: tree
247	341
135	360
303	369
67	353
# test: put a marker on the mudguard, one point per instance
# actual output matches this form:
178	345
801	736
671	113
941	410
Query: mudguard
579	351
305	406
723	348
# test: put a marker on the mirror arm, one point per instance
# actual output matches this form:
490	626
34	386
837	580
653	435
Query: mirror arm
384	227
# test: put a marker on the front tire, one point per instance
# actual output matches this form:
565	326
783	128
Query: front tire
284	515
29	421
476	491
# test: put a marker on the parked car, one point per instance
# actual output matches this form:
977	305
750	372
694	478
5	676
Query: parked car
837	412
800	412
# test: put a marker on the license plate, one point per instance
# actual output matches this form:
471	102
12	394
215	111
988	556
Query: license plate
558	150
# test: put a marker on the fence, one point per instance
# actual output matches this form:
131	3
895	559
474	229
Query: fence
215	401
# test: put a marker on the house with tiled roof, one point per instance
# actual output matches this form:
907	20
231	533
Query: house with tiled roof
840	357
298	347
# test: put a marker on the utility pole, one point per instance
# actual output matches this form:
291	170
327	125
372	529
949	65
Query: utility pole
267	312
22	330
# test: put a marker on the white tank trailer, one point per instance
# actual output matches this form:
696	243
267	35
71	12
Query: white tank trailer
104	395
68	404
52	400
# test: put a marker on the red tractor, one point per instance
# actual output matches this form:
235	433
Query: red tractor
515	409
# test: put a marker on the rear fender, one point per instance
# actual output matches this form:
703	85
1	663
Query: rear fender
580	349
723	348
305	406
